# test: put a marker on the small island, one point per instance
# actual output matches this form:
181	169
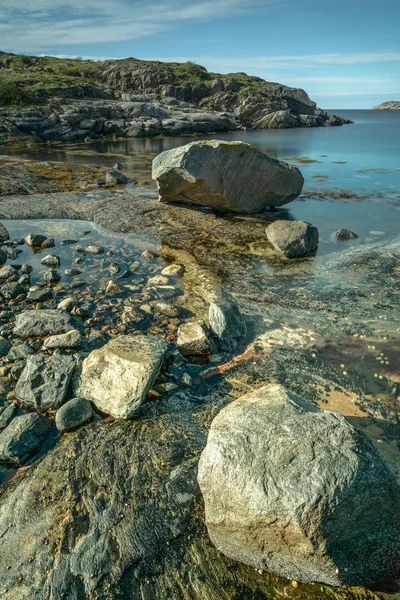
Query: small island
391	105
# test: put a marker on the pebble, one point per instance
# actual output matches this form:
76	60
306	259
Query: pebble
150	254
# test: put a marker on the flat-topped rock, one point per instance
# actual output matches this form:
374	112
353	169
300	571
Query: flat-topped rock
117	377
299	492
226	176
294	239
33	323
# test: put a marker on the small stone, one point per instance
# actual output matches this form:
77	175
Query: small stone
72	414
26	269
168	309
7	271
35	240
174	270
113	288
186	380
163	388
67	304
114	177
70	339
157	280
51	260
150	254
226	323
345	234
12	290
118	166
23	437
5	346
52	276
78	283
73	272
38	294
89	249
192	340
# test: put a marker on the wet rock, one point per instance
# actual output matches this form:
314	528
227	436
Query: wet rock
226	323
70	339
172	270
345	234
51	260
5	386
117	377
26	269
89	249
45	380
4	235
38	294
169	310
10	253
11	290
157	280
78	283
227	176
299	492
35	240
5	346
73	272
23	437
113	288
118	166
72	414
7	415
150	254
294	239
6	272
3	257
32	323
186	380
114	177
52	276
48	243
192	340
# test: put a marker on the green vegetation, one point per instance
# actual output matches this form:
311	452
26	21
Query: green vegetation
31	79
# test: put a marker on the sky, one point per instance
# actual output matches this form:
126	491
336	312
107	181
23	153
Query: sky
345	54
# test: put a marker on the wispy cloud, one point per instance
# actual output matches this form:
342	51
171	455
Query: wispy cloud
28	26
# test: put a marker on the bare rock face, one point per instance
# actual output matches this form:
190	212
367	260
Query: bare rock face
227	176
294	239
117	377
299	492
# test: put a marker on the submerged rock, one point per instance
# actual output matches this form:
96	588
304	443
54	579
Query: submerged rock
294	239
45	380
227	176
117	377
51	260
299	492
192	340
73	413
345	234
23	437
32	323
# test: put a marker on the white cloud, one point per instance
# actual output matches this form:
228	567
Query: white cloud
33	27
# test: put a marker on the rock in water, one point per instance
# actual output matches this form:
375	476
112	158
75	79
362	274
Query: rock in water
345	234
117	377
226	323
32	323
299	492
4	235
192	340
44	381
23	437
227	176
293	238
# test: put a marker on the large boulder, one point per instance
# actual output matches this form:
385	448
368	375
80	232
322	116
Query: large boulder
294	239
23	437
45	380
299	492
227	176
118	376
31	323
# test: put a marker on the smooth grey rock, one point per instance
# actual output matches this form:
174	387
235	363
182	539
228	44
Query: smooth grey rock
117	377
26	269
11	290
19	351
70	339
51	260
226	323
345	234
192	340
73	413
45	380
32	323
89	249
299	492
7	415
67	304
227	176
38	294
116	178
5	346
23	437
294	239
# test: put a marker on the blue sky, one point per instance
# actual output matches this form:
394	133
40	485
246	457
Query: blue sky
345	54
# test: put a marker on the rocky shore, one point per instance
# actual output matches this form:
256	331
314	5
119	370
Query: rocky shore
48	99
206	311
391	105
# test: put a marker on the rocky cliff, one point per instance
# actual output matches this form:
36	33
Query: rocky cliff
65	99
391	105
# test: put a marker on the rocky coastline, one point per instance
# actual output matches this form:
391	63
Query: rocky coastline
390	105
117	508
47	99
